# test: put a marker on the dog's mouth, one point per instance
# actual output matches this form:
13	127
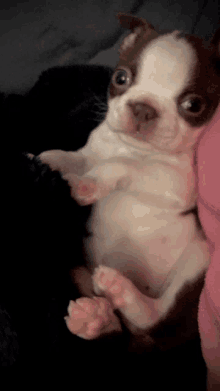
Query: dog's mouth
135	136
150	130
143	131
146	137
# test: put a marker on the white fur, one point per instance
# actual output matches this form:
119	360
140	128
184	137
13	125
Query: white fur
130	39
139	230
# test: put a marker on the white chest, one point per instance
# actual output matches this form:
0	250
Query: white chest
139	229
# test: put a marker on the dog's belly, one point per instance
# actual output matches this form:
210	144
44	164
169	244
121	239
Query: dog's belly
143	242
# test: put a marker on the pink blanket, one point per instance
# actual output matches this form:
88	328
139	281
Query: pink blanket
208	171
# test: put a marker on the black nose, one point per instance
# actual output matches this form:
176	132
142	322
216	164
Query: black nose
142	112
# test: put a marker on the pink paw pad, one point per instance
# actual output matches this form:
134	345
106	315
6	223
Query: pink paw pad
90	318
86	191
116	287
83	189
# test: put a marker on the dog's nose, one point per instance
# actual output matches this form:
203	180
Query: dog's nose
142	112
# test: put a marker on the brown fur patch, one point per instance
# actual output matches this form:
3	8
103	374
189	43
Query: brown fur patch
204	81
130	56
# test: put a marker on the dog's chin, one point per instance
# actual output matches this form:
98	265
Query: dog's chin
129	137
143	142
143	137
136	141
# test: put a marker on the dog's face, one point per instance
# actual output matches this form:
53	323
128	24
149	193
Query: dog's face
164	89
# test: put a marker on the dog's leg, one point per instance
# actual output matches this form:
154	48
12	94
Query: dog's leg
64	161
90	318
86	187
100	181
138	311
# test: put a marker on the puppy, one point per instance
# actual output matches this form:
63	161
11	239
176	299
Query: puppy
146	257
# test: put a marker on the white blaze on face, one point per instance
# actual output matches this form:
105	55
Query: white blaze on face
163	72
165	66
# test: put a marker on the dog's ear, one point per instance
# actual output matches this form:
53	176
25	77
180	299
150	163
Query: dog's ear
137	26
131	22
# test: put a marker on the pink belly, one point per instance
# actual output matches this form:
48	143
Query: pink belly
144	247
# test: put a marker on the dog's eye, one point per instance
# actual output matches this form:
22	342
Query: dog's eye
122	78
192	104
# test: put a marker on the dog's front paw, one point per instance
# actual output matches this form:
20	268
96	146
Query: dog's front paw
64	161
87	190
91	318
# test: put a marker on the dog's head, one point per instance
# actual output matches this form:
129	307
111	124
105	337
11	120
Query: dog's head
165	89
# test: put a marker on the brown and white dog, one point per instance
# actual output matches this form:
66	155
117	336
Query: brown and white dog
146	257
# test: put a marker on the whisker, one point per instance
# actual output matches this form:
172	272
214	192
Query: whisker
102	108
